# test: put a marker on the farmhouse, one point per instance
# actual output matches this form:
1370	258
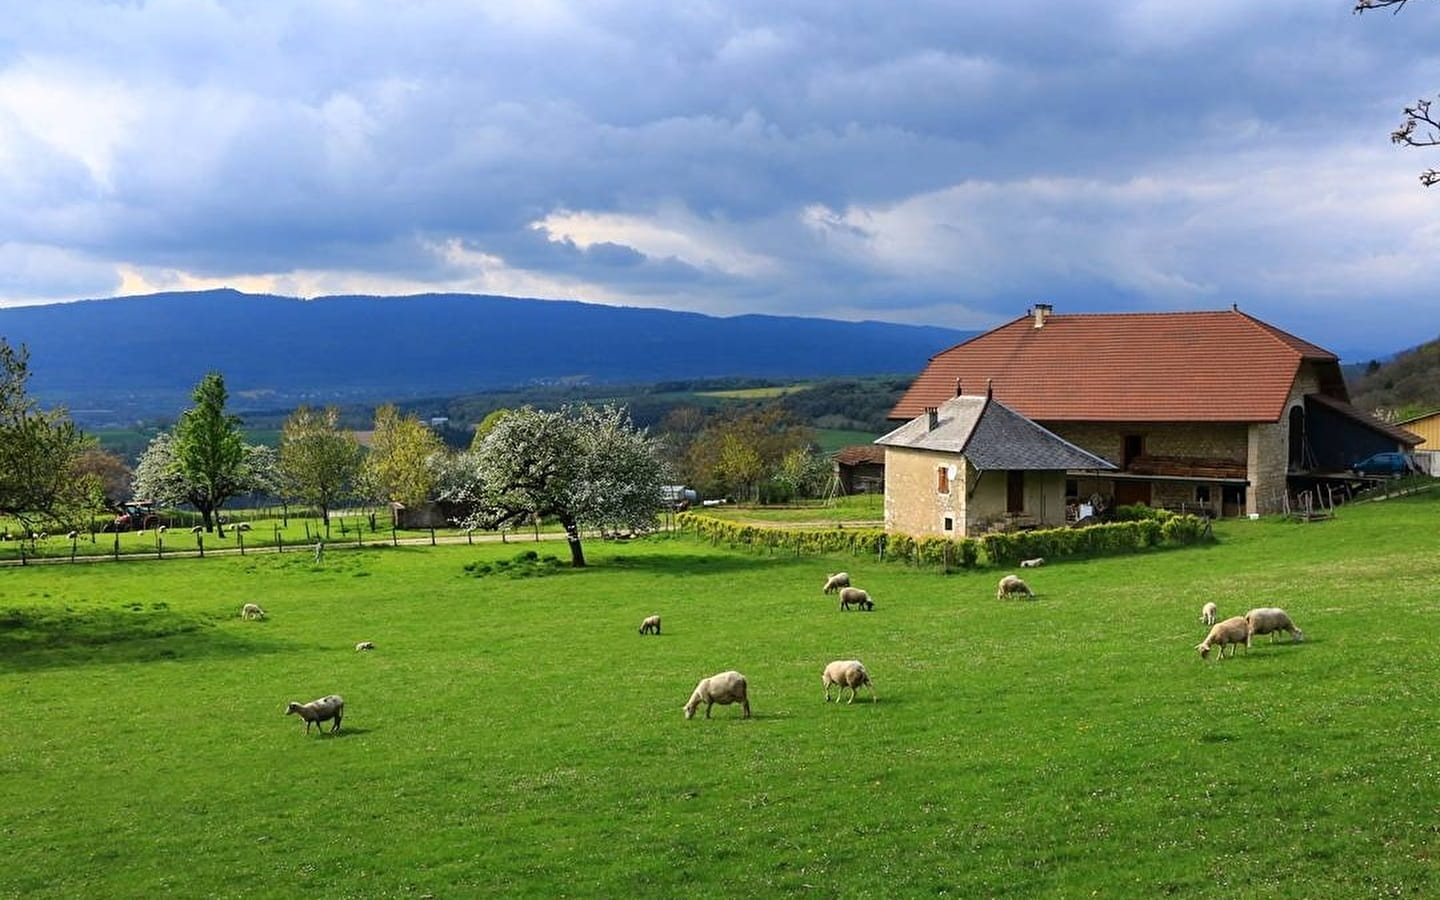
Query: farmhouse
859	469
971	464
1212	411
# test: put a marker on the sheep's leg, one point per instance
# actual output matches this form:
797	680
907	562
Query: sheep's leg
745	704
708	704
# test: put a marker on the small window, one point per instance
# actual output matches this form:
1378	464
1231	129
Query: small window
1202	493
1072	487
943	481
949	523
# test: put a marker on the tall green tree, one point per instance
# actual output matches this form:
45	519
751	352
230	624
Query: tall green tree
401	465
40	451
582	467
319	460
160	479
209	449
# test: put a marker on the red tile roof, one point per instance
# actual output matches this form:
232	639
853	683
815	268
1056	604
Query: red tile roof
1220	366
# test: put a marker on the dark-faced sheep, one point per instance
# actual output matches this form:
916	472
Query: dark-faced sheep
318	711
1011	585
252	611
1269	620
837	581
1233	631
851	596
725	688
650	625
1035	563
846	673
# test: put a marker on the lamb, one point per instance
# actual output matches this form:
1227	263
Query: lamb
1035	563
364	645
851	596
197	529
651	625
318	711
834	583
1011	585
1232	631
1268	620
846	673
242	526
725	688
73	534
252	611
1207	613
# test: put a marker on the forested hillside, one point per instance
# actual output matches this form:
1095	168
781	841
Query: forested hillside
1404	387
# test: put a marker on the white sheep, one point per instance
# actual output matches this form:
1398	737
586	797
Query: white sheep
847	673
1234	630
364	645
837	581
73	534
1011	585
650	625
161	529
725	688
318	711
1035	563
1207	613
252	611
1269	620
242	526
852	596
196	529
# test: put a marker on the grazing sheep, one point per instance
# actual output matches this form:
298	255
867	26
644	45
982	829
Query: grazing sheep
73	534
318	711
851	596
1268	620
651	625
1011	585
252	611
1035	563
1232	631
162	529
725	688
197	529
1207	613
364	645
242	526
847	673
837	581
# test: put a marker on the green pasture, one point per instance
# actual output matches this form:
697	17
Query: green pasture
757	393
858	509
832	439
512	734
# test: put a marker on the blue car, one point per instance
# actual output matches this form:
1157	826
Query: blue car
1391	463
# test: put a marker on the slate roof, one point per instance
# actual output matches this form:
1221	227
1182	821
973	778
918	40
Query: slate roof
991	436
1213	366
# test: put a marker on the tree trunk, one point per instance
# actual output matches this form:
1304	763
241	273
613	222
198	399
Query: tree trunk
572	535
206	518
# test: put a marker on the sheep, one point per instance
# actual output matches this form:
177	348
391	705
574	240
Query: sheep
651	625
196	529
161	529
73	534
318	711
1207	613
846	673
252	611
1035	563
1268	620
364	645
725	688
1011	585
242	526
1234	630
834	583
851	596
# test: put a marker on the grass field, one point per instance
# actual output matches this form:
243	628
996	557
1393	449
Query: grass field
515	736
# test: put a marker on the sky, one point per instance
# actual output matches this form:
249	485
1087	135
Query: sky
940	163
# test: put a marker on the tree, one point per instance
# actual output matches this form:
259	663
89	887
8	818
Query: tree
735	453
40	452
112	476
583	467
159	478
1419	128
400	466
319	460
209	451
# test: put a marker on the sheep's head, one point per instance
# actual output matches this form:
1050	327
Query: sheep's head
689	711
292	707
1204	648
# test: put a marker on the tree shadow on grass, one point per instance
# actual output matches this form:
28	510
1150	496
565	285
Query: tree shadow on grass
46	638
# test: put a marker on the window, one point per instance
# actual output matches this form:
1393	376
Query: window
1202	493
949	523
942	483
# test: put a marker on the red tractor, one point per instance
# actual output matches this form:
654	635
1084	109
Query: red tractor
137	515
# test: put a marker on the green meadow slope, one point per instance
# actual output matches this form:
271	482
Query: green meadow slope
512	733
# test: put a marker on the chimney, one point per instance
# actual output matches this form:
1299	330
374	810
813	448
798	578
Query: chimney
1041	312
957	387
932	418
989	388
